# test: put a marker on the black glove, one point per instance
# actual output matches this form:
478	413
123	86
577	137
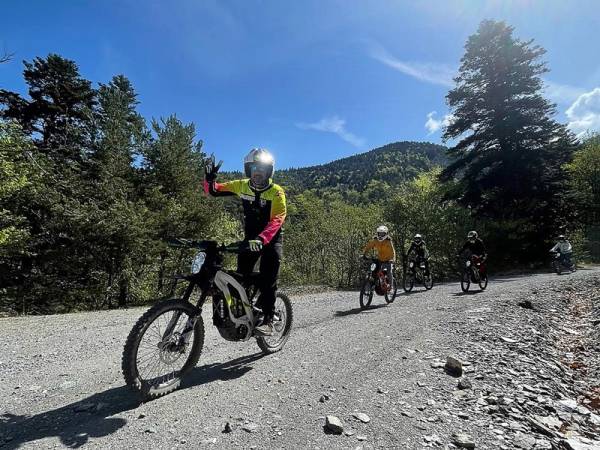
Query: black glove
211	169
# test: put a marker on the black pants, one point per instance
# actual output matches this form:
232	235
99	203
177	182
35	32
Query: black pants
270	260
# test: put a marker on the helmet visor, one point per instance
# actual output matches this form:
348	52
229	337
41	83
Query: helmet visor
259	174
381	234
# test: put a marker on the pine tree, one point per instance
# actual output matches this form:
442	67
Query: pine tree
510	151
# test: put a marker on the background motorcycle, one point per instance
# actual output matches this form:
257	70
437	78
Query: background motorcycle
562	262
376	280
166	342
416	273
473	270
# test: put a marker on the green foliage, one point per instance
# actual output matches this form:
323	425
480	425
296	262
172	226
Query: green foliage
584	181
510	151
83	221
19	178
324	240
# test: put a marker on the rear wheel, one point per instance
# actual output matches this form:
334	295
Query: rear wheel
163	346
366	293
282	325
465	281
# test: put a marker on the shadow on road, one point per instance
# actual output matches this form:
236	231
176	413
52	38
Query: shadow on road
74	424
461	294
349	312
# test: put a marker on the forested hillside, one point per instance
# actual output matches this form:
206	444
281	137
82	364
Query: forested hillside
90	190
391	165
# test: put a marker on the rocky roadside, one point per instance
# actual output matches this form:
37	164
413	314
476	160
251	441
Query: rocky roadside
530	369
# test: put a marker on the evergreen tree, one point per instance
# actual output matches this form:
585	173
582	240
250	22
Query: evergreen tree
118	226
510	151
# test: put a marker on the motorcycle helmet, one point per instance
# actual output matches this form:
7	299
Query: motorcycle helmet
382	232
472	236
418	239
259	166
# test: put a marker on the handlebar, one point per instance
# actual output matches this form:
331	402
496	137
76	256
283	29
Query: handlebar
234	247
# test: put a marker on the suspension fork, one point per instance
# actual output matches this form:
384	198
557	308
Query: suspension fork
191	322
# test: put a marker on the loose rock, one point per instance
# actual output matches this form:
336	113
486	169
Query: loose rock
334	425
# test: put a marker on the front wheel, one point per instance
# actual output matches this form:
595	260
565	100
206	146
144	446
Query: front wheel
282	325
483	282
163	346
409	282
428	280
391	295
465	281
366	294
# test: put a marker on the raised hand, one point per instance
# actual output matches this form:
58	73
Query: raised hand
211	168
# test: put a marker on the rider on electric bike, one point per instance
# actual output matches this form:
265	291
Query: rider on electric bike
476	247
421	254
264	214
382	245
564	248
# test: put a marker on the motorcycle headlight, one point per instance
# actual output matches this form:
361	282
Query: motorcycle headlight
468	263
373	266
198	262
411	264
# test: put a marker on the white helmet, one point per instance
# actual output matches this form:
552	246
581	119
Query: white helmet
382	232
472	235
259	166
418	238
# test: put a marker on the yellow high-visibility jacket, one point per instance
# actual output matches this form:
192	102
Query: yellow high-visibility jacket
384	249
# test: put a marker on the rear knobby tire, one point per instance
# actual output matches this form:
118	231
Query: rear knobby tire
130	352
264	342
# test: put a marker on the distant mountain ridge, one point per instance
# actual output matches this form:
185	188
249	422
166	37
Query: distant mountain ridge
391	164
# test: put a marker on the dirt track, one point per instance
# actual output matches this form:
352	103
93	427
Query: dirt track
61	383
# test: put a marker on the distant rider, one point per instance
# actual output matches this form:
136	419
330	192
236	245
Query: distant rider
475	246
421	254
264	214
382	245
564	249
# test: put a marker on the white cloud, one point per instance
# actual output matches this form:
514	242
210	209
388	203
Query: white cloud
434	73
584	113
434	124
335	125
561	93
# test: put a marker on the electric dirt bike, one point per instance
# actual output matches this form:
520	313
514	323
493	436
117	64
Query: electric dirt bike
473	271
166	342
415	273
562	261
376	281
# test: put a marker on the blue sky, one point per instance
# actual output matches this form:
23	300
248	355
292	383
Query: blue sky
311	80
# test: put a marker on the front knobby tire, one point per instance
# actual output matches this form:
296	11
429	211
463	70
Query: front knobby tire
428	280
391	295
409	282
483	282
465	281
366	294
282	327
159	385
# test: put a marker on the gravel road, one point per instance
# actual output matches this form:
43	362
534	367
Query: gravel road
61	386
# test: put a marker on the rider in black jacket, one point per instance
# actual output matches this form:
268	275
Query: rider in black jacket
475	246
